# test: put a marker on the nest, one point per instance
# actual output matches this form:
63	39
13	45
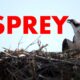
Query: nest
37	65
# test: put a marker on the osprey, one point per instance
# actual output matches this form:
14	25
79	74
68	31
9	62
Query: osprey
75	44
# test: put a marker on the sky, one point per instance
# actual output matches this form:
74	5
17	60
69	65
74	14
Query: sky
38	8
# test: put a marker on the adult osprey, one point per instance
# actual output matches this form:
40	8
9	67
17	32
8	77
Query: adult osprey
75	44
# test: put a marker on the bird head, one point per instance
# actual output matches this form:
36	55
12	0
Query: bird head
75	25
71	21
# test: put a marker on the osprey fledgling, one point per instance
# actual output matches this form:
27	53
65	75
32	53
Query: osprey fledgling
75	44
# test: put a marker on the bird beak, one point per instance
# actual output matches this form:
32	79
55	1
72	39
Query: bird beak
69	20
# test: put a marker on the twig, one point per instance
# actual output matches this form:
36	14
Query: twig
20	42
34	42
